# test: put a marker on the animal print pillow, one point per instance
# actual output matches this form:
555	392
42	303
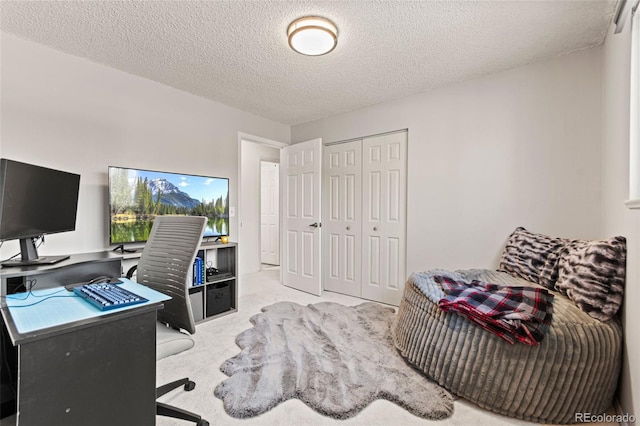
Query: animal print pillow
592	275
534	257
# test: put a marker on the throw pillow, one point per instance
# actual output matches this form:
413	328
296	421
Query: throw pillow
534	257
592	275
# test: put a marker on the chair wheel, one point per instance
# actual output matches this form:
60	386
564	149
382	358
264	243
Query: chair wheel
189	386
202	422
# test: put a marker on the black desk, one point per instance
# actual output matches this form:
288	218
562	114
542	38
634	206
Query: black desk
77	365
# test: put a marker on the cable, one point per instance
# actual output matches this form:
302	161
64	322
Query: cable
30	294
43	296
41	238
37	242
9	258
40	301
28	285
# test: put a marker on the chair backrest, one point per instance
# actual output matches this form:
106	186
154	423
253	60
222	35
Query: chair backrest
165	264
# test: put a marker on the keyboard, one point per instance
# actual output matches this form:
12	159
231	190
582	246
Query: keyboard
107	296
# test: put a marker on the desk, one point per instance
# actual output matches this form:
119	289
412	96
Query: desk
79	268
78	365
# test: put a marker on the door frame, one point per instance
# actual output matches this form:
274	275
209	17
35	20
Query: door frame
258	140
275	144
271	161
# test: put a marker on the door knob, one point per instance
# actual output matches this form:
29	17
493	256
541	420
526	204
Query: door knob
316	225
375	228
348	228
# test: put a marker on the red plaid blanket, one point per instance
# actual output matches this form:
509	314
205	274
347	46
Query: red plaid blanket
514	313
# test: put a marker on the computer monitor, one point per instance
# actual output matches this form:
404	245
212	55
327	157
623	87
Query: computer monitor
35	201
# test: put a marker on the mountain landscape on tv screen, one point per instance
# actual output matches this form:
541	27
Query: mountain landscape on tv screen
136	197
171	195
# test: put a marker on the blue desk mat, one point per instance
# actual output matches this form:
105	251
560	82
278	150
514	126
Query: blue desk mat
41	309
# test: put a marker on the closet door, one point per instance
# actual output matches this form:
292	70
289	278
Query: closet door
384	177
342	168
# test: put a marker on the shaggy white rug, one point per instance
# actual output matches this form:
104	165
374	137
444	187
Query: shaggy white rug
336	359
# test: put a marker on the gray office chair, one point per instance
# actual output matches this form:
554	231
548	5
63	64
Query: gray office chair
164	266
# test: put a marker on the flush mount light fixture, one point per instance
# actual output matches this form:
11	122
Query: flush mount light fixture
312	35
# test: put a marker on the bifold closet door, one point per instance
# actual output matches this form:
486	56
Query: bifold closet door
342	203
384	187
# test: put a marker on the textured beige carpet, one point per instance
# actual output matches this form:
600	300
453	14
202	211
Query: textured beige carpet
216	342
336	359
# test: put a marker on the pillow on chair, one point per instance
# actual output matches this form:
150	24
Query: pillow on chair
592	275
533	257
589	272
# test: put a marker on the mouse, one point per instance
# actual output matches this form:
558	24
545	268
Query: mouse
104	279
97	280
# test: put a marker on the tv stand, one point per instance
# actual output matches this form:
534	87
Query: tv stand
122	250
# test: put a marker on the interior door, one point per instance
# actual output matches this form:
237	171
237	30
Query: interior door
341	228
301	168
384	177
269	213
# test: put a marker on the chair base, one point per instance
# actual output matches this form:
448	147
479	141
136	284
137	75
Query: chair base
167	410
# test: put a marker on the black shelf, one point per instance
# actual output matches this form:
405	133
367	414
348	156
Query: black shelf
217	296
223	257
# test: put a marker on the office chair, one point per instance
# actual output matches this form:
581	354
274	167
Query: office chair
165	264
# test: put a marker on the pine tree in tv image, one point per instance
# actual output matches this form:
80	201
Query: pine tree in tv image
136	197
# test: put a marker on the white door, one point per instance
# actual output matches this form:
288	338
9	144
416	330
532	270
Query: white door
384	176
341	227
269	213
301	168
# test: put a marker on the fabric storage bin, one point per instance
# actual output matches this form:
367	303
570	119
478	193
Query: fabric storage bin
218	298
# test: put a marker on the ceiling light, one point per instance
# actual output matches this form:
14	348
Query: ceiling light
312	35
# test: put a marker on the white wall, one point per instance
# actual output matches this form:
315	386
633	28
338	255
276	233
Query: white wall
521	147
616	218
64	112
252	154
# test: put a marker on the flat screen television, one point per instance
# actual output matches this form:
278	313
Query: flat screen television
35	201
137	196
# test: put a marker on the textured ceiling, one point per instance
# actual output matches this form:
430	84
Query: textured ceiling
236	52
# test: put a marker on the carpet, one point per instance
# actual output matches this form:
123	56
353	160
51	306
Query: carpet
336	359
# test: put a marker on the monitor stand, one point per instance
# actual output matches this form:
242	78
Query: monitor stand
29	255
44	260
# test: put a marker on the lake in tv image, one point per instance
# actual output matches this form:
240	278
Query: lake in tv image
136	197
